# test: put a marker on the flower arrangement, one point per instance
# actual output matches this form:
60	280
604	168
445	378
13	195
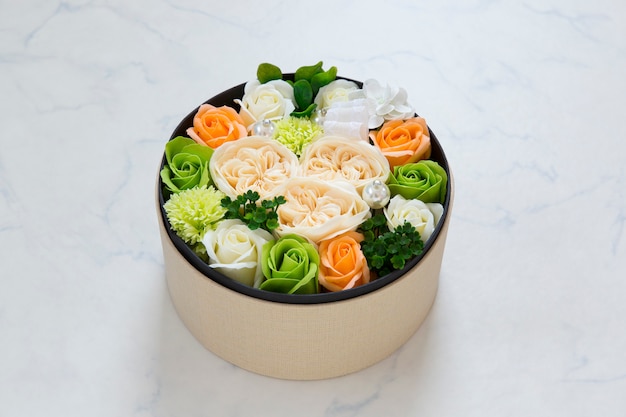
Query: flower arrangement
307	183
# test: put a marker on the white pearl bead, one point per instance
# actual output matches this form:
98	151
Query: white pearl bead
376	194
263	127
319	116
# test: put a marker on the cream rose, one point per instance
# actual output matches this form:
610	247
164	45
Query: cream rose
336	91
318	209
235	251
333	158
254	163
272	100
423	216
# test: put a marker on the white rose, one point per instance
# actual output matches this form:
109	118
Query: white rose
235	251
319	210
386	103
422	216
336	91
332	158
255	163
272	100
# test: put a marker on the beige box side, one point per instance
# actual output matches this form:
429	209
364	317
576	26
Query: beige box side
303	341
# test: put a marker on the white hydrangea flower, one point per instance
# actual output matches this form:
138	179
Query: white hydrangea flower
386	103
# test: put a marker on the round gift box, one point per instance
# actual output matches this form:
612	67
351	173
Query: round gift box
301	337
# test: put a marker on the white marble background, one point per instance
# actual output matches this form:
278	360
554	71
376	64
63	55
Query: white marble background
528	99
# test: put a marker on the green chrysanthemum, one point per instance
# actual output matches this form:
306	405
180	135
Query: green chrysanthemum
296	133
194	211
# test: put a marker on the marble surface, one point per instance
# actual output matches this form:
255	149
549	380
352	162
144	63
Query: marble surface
527	99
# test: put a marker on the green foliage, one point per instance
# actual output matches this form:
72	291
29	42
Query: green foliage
308	80
268	72
247	208
387	250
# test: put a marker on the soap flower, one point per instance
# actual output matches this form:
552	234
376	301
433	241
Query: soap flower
403	142
318	210
272	101
187	165
425	180
213	126
386	103
255	163
336	158
337	91
422	216
348	119
296	133
194	211
235	251
290	266
342	263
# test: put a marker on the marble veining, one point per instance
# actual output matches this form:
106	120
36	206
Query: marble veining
527	99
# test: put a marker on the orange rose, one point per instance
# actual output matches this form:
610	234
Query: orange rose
212	126
342	264
403	142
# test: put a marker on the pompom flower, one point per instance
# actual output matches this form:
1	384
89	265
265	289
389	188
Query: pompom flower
192	212
296	133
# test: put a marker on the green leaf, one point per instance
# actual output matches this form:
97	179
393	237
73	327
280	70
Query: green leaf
259	215
268	72
321	79
271	224
379	220
397	261
305	113
307	72
303	94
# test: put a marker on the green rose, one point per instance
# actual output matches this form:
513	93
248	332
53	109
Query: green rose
425	180
290	265
187	165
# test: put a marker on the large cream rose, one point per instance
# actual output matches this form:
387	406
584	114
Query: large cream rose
272	100
318	209
253	163
423	216
235	251
334	158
